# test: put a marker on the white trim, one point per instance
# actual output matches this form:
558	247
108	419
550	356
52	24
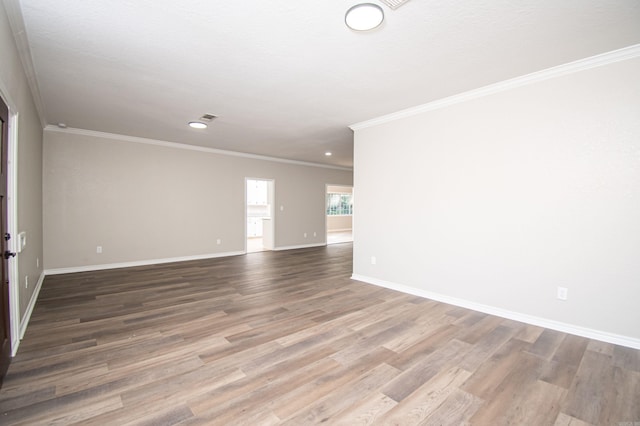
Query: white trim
175	145
12	225
24	322
339	230
90	268
623	54
503	313
12	218
300	246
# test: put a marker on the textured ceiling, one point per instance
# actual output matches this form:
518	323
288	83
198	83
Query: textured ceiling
286	78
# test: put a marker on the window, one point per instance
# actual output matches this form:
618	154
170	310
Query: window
339	204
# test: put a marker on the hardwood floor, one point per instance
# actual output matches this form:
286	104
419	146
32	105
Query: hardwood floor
289	338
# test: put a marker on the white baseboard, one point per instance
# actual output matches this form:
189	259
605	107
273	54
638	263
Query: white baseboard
89	268
300	246
339	230
503	313
24	321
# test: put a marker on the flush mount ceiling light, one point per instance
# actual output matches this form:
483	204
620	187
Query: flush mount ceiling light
364	17
328	154
197	125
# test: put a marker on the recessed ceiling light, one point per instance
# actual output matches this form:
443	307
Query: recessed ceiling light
364	17
197	125
328	154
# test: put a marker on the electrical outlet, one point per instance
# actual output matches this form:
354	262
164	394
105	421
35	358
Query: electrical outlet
218	241
315	234
563	292
373	260
99	249
305	235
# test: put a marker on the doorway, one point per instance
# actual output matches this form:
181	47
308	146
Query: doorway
259	222
339	214
5	324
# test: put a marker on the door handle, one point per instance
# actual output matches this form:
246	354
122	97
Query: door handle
8	254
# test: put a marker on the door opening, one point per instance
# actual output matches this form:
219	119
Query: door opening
259	215
5	324
339	214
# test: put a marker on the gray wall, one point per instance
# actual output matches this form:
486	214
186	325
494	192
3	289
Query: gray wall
510	195
14	89
144	202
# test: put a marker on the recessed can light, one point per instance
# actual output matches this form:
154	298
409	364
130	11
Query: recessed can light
364	17
197	125
328	154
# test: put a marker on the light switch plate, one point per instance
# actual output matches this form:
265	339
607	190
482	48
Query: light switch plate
22	241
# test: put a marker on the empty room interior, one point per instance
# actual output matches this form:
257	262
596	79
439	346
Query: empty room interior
394	212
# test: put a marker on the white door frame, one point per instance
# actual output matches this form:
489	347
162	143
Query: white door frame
12	220
271	189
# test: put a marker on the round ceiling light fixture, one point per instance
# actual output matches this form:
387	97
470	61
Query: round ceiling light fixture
328	153
197	125
364	17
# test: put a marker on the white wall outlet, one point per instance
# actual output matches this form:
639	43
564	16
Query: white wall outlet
563	292
99	249
281	208
218	241
373	260
315	234
305	235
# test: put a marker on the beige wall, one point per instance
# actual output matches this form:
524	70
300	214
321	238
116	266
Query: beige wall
339	223
512	195
14	89
340	189
144	202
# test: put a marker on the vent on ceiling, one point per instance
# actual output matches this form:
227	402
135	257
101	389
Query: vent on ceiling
394	4
208	117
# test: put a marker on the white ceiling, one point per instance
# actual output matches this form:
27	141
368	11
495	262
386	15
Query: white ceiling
286	78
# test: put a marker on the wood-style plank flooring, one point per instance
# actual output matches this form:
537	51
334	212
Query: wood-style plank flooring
288	338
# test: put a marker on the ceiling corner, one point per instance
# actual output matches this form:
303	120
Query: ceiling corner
16	21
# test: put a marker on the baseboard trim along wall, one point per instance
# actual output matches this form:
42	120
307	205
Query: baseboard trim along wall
24	321
503	313
89	268
299	247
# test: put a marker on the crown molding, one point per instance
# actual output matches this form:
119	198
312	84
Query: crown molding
176	145
16	22
619	55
